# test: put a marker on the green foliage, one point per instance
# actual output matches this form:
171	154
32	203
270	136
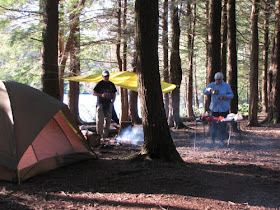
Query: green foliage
19	62
21	34
8	3
4	22
198	111
17	35
95	59
243	108
20	54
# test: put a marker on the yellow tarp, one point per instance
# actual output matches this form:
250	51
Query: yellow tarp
124	79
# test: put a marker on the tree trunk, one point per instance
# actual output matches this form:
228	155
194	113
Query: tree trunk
253	99
124	92
232	55
232	58
74	87
270	81
265	57
61	32
192	21
158	143
50	80
122	63
188	76
119	31
276	69
133	99
207	81
69	44
175	66
133	108
196	88
214	41
165	54
224	40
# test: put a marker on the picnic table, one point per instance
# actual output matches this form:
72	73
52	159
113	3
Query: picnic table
231	119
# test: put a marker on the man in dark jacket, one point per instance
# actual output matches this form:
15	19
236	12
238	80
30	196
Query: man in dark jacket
105	91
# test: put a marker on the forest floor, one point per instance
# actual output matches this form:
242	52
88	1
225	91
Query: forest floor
243	176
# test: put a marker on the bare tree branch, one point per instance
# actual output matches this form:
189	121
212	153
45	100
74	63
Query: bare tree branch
22	11
98	42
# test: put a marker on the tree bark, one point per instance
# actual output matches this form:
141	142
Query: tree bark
224	39
158	143
175	66
69	44
232	55
253	98
207	81
61	32
214	41
124	92
133	99
276	69
192	21
270	81
119	31
196	88
265	57
133	108
50	80
232	58
166	97
74	87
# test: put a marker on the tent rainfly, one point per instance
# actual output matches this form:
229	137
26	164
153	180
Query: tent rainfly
124	79
37	133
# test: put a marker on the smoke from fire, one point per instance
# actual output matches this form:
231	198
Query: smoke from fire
131	135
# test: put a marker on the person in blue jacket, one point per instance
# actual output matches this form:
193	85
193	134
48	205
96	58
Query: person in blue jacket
221	94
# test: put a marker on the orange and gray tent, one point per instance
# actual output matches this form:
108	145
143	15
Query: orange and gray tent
37	133
124	79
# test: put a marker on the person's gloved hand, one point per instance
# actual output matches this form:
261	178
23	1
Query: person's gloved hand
209	89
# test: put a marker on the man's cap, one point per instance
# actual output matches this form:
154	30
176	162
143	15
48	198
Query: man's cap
105	73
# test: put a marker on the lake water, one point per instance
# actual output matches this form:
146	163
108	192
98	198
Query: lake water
87	106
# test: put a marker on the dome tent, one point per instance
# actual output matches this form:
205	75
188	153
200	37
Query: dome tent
37	133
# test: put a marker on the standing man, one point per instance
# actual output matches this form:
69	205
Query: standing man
221	94
105	91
